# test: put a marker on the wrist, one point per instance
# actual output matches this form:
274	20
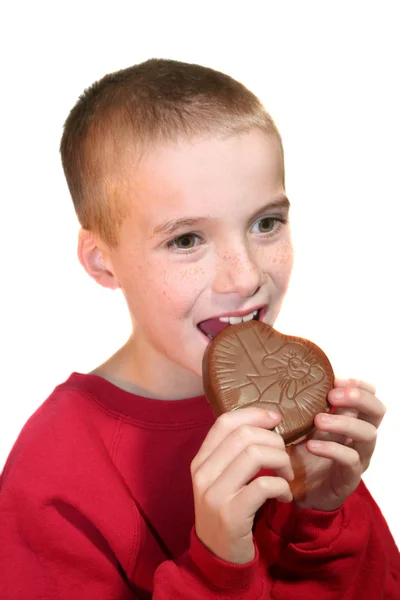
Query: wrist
223	574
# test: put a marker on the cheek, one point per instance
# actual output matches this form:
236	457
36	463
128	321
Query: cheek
283	253
167	285
182	285
280	262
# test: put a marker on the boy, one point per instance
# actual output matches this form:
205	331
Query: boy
122	484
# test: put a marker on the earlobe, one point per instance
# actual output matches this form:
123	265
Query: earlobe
92	259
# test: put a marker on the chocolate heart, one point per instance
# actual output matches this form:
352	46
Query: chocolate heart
252	364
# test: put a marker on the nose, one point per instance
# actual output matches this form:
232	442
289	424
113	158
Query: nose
237	272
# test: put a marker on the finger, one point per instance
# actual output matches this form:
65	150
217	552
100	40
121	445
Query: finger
355	383
321	434
347	426
369	407
361	434
236	442
348	458
228	422
346	429
254	495
243	468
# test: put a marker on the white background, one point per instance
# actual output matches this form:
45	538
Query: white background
328	72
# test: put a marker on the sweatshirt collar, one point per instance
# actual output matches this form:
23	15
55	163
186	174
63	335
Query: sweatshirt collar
194	411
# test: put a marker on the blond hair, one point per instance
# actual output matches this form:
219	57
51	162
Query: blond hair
156	101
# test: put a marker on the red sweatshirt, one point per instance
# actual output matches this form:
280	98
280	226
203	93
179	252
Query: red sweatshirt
96	504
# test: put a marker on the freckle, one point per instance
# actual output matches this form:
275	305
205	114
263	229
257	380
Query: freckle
274	260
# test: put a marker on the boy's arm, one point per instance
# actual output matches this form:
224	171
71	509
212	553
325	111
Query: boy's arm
54	550
51	547
70	528
345	554
200	575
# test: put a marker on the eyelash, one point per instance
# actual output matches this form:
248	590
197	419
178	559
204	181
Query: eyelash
171	243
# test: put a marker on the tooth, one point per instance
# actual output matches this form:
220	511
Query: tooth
255	313
235	320
248	317
224	319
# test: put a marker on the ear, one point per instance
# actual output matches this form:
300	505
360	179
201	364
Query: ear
94	261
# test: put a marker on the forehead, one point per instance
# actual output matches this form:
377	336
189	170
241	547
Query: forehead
205	174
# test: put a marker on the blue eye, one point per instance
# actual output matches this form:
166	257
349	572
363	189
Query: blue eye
186	242
267	225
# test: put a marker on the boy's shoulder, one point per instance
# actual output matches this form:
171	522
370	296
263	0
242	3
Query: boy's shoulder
61	434
60	485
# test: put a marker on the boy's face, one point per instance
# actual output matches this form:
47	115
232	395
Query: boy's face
201	242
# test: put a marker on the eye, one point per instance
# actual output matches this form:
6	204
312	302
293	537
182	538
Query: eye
188	241
267	224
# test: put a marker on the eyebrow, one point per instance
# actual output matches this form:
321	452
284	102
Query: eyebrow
170	227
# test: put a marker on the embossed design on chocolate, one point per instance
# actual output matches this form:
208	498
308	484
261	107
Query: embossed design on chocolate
252	364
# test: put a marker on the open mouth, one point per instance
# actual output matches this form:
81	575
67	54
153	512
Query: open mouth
211	327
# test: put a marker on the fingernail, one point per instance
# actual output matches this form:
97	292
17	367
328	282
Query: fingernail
325	418
273	415
339	393
315	444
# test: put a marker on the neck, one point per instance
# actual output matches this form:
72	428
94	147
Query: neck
127	370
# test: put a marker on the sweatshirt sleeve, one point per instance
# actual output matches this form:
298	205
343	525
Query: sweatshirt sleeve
346	554
199	575
55	549
52	544
70	528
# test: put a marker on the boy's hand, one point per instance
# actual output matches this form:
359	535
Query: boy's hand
329	465
226	496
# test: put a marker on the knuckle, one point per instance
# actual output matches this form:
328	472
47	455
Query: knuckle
225	417
223	421
198	481
366	463
373	434
354	458
245	434
288	462
252	452
277	440
283	489
286	486
211	501
282	484
282	444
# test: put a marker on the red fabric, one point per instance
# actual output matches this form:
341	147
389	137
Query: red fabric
96	502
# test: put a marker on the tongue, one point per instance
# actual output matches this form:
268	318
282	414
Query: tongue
212	326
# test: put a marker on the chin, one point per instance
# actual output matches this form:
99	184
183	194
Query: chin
193	367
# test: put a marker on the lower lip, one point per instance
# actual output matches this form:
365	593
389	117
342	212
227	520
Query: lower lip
263	312
205	337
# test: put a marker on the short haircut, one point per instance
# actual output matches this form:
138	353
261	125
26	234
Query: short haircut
123	114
